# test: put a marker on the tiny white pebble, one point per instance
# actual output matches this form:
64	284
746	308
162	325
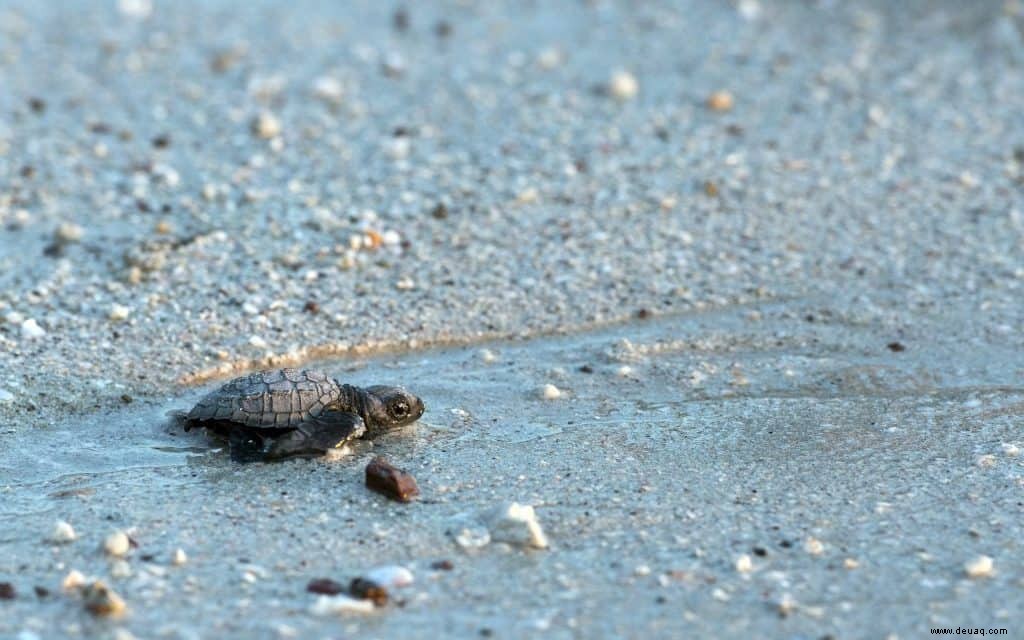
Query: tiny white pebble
1011	449
980	567
787	605
73	580
744	564
31	330
266	126
69	232
405	284
391	576
390	238
625	371
117	544
517	524
814	546
850	563
642	570
179	558
63	532
549	58
987	460
623	85
119	312
328	89
550	392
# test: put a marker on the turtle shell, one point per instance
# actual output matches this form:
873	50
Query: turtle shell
269	399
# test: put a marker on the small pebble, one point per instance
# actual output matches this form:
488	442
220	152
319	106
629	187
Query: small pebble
391	576
63	532
68	232
1009	449
266	126
325	586
385	478
516	524
720	101
550	392
549	58
814	546
31	330
119	313
179	558
117	544
787	605
73	580
7	591
744	564
328	89
365	589
340	605
442	565
623	85
850	563
980	567
101	600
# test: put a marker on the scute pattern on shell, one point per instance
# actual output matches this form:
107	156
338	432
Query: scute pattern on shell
282	398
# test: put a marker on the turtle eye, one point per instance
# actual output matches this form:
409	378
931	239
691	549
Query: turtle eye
400	409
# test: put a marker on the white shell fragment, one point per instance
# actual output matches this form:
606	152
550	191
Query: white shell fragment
623	85
63	532
517	524
74	580
550	392
117	544
179	558
980	567
391	576
340	605
744	564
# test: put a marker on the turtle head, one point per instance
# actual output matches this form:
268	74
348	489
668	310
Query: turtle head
390	407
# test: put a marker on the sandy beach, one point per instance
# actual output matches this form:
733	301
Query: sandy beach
728	292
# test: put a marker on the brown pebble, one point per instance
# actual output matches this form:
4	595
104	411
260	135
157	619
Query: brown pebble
311	306
710	189
324	586
7	591
41	592
440	211
896	347
383	477
643	314
586	369
368	590
162	141
442	565
720	101
125	398
100	600
38	105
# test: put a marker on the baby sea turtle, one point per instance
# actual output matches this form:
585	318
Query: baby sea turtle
279	414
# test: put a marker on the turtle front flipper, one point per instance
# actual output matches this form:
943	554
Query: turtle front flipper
246	445
316	435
